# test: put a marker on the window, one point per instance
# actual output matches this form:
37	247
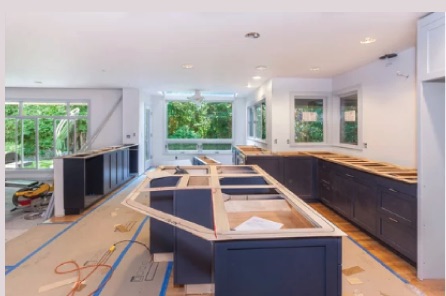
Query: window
199	128
308	120
348	119
257	121
36	132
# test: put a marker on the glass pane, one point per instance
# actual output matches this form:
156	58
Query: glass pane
258	121
46	143
81	133
349	120
12	153
181	146
29	143
78	109
188	120
44	109
11	108
263	120
308	120
61	135
71	136
220	146
250	122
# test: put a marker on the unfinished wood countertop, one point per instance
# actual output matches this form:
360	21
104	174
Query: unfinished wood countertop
388	170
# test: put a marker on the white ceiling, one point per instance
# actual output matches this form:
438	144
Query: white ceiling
146	50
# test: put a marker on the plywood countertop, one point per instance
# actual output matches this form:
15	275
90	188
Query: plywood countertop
388	170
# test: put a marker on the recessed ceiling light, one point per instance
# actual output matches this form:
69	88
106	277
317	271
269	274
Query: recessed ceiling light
261	67
256	77
252	35
248	85
315	69
38	82
187	66
367	40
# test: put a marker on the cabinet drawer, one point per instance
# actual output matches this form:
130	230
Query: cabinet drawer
400	236
401	205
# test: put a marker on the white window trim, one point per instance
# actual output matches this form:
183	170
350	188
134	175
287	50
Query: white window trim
199	142
325	96
336	108
253	108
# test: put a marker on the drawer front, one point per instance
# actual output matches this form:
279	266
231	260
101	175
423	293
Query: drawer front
402	205
401	237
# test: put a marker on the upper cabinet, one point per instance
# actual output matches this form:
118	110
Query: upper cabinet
430	47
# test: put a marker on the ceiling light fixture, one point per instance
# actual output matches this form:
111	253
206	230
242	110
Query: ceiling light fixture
367	40
248	85
187	66
256	77
315	69
261	67
38	82
252	35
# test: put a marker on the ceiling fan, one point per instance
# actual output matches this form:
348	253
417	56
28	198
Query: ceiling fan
196	97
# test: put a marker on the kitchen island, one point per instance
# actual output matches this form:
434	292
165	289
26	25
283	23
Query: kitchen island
237	231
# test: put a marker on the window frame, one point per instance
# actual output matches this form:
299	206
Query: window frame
337	96
252	121
324	96
199	142
21	117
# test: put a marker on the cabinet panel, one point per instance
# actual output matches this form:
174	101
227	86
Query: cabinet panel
398	235
400	204
430	47
343	192
299	175
272	165
365	205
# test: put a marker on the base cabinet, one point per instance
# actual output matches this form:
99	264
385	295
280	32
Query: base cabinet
272	165
286	267
299	176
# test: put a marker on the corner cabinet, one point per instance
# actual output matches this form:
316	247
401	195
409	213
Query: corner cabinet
431	41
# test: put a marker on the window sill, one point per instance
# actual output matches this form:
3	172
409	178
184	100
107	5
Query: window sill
345	146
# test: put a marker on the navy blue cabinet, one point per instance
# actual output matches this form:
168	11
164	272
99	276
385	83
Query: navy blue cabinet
397	218
271	164
299	176
87	177
285	267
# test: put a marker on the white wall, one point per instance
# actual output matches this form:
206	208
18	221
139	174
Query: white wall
133	122
389	108
263	92
101	102
282	89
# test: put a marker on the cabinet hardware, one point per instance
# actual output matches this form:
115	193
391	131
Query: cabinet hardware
393	190
394	220
348	175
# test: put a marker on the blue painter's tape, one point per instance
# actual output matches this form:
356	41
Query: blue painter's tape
166	279
65	229
121	256
380	262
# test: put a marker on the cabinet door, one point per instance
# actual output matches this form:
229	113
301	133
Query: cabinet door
430	47
298	176
343	192
325	180
107	173
365	205
113	173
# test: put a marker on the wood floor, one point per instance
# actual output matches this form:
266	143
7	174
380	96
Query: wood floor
392	260
395	262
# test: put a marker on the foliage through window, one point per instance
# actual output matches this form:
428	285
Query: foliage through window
349	119
199	127
36	132
257	121
308	120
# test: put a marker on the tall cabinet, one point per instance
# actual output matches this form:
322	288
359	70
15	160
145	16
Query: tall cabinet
431	146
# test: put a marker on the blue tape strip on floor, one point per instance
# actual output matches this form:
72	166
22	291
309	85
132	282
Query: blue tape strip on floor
166	279
380	262
67	228
121	256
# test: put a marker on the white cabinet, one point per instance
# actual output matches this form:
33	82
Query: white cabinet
430	45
